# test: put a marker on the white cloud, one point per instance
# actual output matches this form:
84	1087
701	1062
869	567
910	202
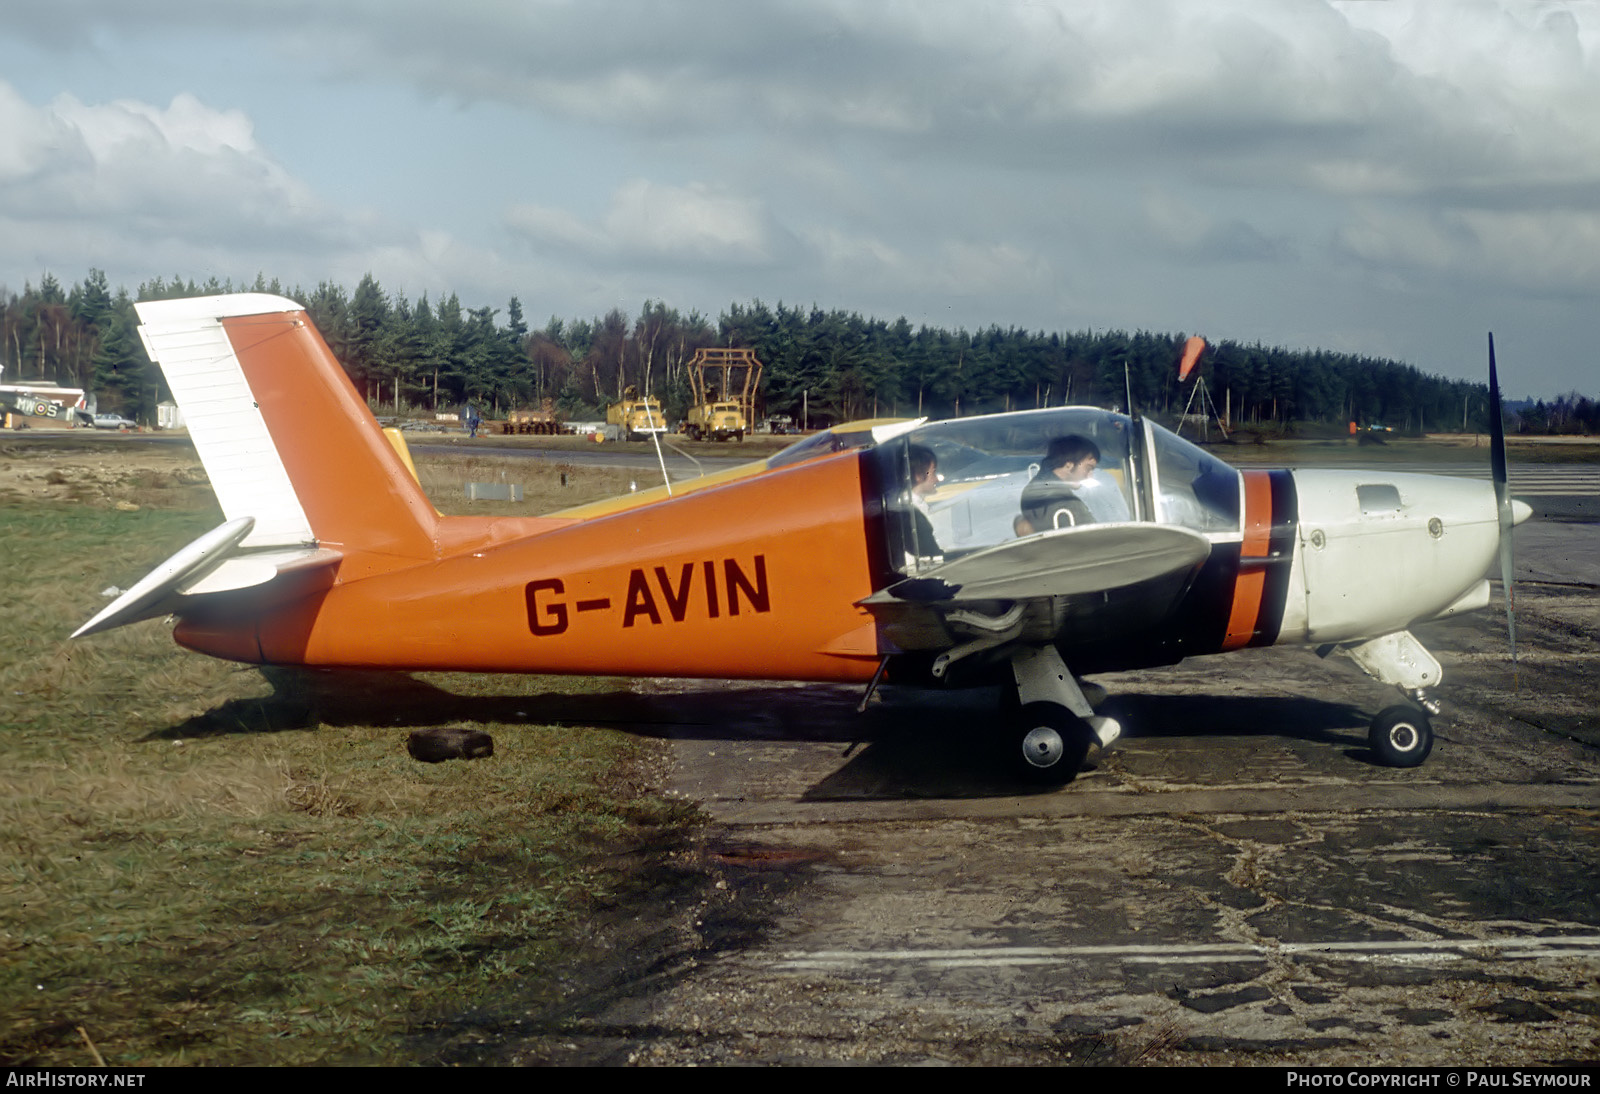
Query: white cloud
696	223
1182	229
183	173
693	219
1356	97
983	269
940	268
1547	252
31	140
857	256
186	124
559	229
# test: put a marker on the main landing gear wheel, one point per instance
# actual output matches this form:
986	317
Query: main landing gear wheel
1402	736
1052	743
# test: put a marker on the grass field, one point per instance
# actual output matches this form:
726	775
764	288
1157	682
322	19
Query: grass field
209	864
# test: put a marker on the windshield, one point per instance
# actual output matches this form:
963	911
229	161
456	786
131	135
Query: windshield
1192	487
850	435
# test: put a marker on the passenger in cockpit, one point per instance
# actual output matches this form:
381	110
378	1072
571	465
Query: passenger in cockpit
924	468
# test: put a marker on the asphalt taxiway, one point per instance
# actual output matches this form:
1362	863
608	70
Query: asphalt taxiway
1237	880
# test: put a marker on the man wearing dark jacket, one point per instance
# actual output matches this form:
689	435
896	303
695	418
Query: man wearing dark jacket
1051	500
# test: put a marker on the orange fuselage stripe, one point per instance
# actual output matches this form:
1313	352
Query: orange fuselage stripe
1250	582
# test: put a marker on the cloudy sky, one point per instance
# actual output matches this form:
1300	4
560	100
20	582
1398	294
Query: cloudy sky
1376	177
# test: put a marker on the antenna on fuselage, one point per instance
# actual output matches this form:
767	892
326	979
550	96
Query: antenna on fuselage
1502	500
650	420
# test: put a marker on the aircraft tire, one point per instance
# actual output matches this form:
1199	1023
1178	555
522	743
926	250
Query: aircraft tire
1051	744
1401	736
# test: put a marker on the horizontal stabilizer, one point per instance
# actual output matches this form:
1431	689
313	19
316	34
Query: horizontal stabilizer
252	568
212	564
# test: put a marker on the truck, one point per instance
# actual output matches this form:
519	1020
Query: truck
542	422
636	417
724	402
716	421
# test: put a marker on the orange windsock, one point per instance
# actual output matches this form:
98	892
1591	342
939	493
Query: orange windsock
1191	354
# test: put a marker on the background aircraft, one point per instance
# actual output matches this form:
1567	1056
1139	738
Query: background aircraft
844	558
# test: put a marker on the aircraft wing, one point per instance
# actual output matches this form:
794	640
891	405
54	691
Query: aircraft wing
1095	580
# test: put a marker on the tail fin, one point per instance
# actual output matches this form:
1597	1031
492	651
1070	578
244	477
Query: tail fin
283	434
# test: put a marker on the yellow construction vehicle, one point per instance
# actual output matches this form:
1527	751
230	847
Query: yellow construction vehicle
724	405
636	416
544	421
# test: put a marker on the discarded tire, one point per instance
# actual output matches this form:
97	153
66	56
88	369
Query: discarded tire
446	743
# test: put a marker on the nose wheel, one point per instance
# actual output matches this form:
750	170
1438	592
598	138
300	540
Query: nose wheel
1051	744
1401	736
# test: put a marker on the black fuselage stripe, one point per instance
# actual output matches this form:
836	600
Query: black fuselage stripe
1279	560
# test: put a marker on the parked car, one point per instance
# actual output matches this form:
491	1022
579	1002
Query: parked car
114	421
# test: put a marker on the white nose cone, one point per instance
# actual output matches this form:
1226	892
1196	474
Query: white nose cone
1520	511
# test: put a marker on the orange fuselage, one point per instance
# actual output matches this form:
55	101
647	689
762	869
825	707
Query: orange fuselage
756	579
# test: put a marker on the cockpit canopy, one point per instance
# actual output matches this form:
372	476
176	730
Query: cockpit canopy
862	434
988	472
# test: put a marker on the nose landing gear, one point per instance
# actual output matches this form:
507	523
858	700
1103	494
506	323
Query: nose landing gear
1057	725
1401	735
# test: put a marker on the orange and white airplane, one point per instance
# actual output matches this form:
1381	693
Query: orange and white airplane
898	549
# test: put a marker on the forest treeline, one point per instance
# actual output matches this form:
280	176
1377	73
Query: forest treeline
422	355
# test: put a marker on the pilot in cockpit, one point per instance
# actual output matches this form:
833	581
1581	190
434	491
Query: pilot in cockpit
924	468
1066	492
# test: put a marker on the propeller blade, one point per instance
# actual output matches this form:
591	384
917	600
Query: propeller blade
1502	498
1497	433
